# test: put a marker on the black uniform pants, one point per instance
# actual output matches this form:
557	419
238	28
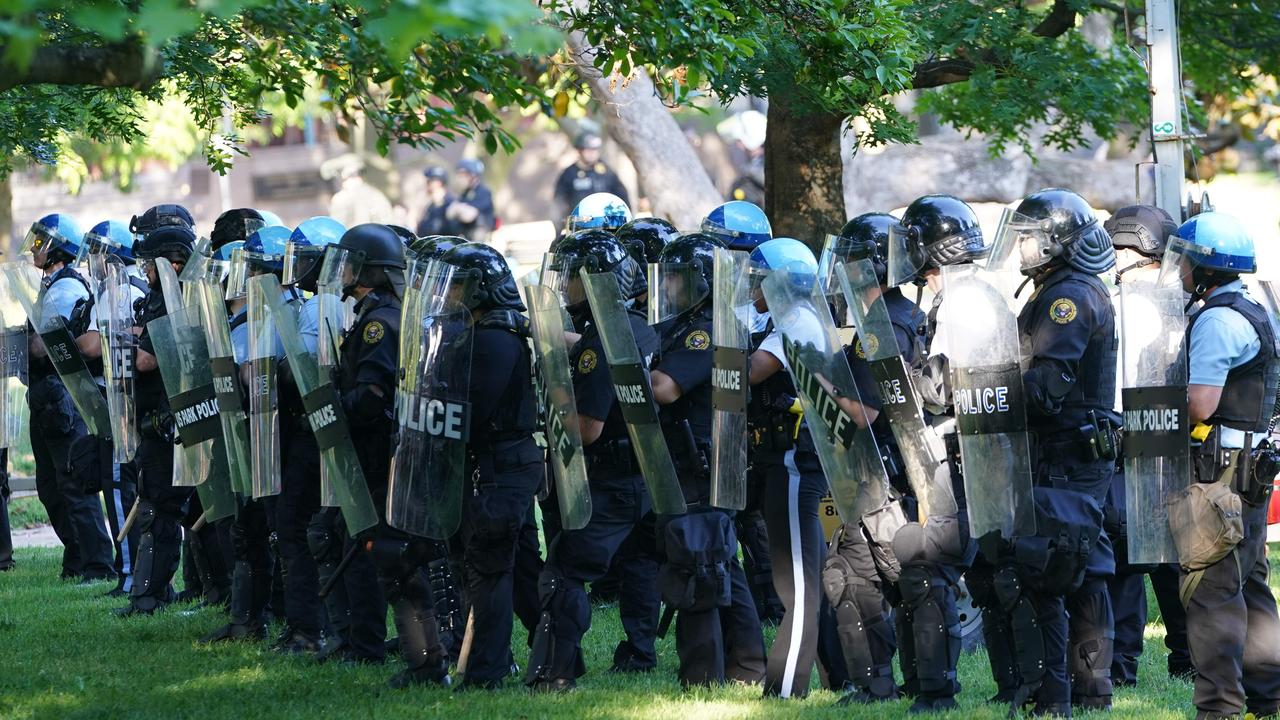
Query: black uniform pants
6	538
486	546
527	569
119	484
794	488
160	513
753	538
1234	631
251	574
76	515
619	502
289	515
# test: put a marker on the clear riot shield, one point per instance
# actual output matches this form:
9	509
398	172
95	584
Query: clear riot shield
429	466
264	412
13	371
731	343
567	459
119	350
338	460
25	285
226	380
922	452
630	377
1157	440
334	316
815	357
980	335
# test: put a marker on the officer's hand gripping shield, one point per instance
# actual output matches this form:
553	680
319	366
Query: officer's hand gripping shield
568	462
630	375
26	286
922	451
982	346
429	466
13	370
1157	440
731	341
338	461
815	358
262	368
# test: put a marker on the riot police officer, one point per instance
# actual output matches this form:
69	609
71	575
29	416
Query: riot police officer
369	260
718	635
1140	234
620	502
1068	330
1234	363
161	506
586	176
54	242
110	241
504	464
598	211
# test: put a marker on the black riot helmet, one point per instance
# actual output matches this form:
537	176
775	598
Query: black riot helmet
936	230
406	235
598	251
161	216
434	246
492	287
1144	228
174	243
1050	228
865	237
682	278
235	225
645	238
369	255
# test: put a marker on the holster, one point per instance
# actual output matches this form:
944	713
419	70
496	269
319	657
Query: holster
615	455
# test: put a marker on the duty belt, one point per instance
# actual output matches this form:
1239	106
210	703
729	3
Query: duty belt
612	455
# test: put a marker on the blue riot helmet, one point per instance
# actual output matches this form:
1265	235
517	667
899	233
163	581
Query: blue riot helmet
739	224
598	211
1210	249
270	219
109	237
778	255
305	250
57	236
264	249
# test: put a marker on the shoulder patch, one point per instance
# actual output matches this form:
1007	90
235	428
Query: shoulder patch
587	361
698	340
872	344
1062	310
373	332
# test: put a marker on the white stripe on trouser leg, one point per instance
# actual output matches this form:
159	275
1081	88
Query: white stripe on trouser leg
797	573
126	564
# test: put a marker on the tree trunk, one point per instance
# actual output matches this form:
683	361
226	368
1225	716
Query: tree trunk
803	187
671	177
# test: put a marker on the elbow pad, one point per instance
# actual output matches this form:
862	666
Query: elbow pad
1047	386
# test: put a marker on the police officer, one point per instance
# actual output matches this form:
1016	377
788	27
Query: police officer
112	242
434	220
1068	330
740	225
620	502
504	464
1234	364
76	516
718	635
1140	235
586	176
473	211
161	506
6	539
373	273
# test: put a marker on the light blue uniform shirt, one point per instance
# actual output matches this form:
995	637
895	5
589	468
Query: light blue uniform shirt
62	296
239	337
1221	340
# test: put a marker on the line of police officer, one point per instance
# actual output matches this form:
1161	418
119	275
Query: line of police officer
372	444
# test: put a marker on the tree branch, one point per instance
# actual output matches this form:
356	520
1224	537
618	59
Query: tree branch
108	66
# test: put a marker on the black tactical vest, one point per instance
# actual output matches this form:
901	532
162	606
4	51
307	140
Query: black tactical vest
1095	386
1249	395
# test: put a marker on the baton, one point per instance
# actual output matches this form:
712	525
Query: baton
128	521
337	572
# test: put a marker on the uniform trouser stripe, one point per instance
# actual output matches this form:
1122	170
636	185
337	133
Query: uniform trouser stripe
798	610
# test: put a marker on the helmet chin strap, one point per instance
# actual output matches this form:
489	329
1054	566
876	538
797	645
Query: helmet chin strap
1134	266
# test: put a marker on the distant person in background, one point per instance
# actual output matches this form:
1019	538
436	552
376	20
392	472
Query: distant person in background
472	213
747	132
6	540
588	175
434	221
357	202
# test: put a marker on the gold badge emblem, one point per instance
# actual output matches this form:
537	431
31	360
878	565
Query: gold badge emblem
1062	311
872	344
373	333
698	340
587	361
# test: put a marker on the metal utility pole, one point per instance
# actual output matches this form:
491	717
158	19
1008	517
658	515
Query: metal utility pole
1164	68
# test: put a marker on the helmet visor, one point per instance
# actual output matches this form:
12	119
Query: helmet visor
907	254
300	260
1021	240
341	270
674	288
95	244
40	239
1180	257
237	276
560	273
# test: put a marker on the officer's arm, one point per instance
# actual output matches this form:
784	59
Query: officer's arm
762	366
665	389
862	415
589	429
1059	337
146	361
90	345
1202	402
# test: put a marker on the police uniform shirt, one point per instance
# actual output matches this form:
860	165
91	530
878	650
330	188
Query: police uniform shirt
577	182
904	315
686	359
125	309
1222	339
802	328
240	335
480	198
433	220
370	351
149	386
290	297
62	296
592	383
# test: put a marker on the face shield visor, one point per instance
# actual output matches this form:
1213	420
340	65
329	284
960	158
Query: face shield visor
674	289
1180	258
341	270
907	254
1022	241
95	244
237	276
560	273
40	239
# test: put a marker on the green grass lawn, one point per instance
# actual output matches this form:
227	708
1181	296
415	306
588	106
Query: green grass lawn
64	656
26	512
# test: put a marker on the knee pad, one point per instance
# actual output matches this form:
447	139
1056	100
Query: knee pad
322	542
1091	645
146	518
981	586
935	629
866	637
240	541
1024	623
